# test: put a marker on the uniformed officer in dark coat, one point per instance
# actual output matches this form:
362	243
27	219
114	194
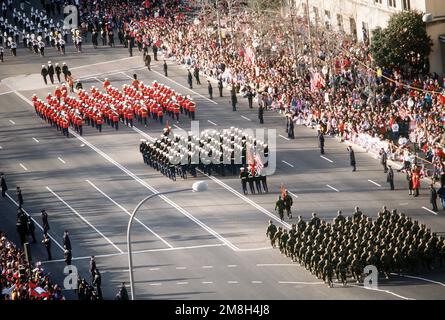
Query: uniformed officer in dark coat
352	158
97	282
44	73
243	178
31	229
47	243
155	52
433	197
390	177
220	87
67	257
3	184
165	68
66	240
51	72
196	74
190	79
21	225
210	89
65	71
250	181
383	160
45	223
58	70
321	142
288	202
233	98
270	232
280	206
19	197
261	113
249	95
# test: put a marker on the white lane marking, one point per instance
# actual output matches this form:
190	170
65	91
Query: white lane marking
246	118
243	197
11	91
381	290
24	168
256	281
276	265
255	249
160	74
61	160
232	265
207	267
35	140
331	187
83	219
374	183
177	127
153	269
207	282
97	79
425	208
283	137
292	194
156	284
232	282
38	225
420	278
182	282
299	282
403	204
141	251
181	268
100	63
212	122
12	121
1	147
127	212
290	165
327	159
127	75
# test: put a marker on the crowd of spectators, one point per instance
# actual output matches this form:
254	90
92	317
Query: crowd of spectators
20	280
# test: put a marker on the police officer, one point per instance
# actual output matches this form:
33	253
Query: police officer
390	177
220	87
58	71
249	95
3	184
352	158
165	69
261	113
148	61
321	142
45	223
233	98
196	74
250	178
19	197
47	243
31	229
383	160
210	89
433	197
190	79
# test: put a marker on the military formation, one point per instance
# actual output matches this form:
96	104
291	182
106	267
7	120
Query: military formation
35	32
227	152
393	243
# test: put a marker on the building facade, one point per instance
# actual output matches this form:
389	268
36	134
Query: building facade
360	17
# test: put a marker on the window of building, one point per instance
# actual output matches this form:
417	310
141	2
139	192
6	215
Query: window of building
378	1
392	3
316	15
353	28
340	22
406	4
365	31
327	19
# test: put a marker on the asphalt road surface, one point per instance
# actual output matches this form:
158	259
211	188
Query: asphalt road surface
209	245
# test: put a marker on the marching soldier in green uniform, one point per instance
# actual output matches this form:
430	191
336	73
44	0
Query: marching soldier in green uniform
280	206
277	236
328	273
288	201
283	242
270	232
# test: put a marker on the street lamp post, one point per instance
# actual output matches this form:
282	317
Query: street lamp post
198	186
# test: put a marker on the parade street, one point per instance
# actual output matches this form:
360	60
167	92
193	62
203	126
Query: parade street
209	245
